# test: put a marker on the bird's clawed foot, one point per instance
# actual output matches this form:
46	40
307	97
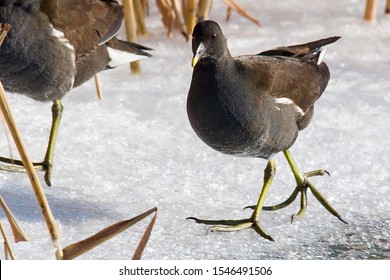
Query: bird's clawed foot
46	165
303	184
253	221
319	197
17	166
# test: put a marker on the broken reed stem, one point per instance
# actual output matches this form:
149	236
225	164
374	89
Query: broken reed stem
6	134
145	6
167	15
145	238
233	5
140	18
131	32
4	29
74	250
184	5
190	15
229	13
32	175
98	87
7	245
370	12
17	231
5	250
180	19
193	11
204	7
165	11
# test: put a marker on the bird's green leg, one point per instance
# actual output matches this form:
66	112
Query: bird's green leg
253	221
302	185
47	164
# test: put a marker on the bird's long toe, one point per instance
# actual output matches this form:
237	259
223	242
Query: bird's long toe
17	166
233	225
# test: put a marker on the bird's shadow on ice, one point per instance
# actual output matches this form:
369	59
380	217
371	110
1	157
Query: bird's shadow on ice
24	206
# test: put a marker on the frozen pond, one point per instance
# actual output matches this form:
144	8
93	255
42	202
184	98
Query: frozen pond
136	150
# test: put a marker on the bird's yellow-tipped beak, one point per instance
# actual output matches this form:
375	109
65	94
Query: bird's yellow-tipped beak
198	55
194	61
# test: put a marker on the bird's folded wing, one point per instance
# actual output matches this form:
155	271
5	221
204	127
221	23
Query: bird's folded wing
282	77
86	24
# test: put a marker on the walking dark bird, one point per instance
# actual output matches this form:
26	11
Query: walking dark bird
56	45
255	106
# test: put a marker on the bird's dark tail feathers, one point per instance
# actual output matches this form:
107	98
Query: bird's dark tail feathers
307	51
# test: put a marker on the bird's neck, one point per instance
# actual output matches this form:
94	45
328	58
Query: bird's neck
216	69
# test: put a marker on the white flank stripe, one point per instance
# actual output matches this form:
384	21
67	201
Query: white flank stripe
121	57
283	100
61	37
322	54
299	110
64	41
288	101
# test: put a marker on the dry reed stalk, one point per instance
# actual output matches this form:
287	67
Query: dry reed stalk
387	9
32	175
233	5
184	5
144	240
131	33
17	231
164	6
172	23
7	245
204	7
140	18
145	6
180	19
229	13
4	125
98	87
190	15
3	31
81	247
370	12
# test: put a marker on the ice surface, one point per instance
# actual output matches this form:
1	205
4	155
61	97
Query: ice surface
136	150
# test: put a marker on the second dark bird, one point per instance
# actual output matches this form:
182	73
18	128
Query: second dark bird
56	45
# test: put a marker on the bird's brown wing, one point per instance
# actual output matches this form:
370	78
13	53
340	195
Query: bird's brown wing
289	72
282	78
85	23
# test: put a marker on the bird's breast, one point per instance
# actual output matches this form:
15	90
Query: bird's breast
226	117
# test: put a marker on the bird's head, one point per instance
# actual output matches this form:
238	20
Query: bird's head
208	42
